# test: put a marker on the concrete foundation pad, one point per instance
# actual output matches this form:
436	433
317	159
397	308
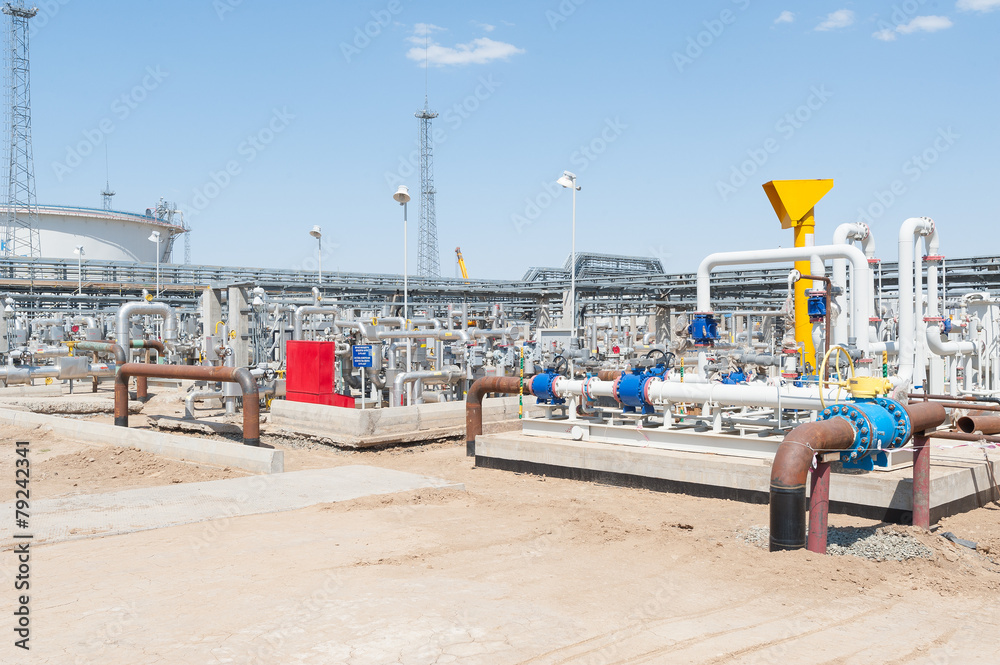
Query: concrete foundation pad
172	423
94	515
202	451
355	428
960	481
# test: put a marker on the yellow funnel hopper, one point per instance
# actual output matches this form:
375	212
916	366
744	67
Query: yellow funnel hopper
793	200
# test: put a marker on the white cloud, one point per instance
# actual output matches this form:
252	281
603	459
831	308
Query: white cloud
925	24
485	27
785	17
918	24
477	52
423	29
978	5
836	20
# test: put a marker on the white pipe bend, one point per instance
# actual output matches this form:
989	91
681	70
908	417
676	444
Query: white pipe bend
843	235
860	301
908	306
163	310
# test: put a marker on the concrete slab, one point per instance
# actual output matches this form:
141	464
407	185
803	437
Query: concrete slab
960	480
94	515
355	428
202	451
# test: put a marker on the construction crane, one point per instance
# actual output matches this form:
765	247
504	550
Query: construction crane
461	263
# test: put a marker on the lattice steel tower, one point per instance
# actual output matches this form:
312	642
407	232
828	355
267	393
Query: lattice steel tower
21	223
428	257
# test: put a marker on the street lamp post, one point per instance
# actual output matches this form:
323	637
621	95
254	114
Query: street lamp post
79	269
568	179
155	237
402	196
317	233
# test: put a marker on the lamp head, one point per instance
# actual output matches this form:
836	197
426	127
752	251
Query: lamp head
316	232
78	250
568	180
402	195
154	237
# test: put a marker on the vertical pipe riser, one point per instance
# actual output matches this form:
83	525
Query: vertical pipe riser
922	482
788	518
819	508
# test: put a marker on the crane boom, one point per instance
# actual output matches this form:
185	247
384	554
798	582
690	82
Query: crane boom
461	263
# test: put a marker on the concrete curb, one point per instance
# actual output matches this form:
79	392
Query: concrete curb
202	451
355	428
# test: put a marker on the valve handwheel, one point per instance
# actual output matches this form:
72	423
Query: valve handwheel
840	382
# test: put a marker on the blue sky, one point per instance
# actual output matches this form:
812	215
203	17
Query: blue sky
262	119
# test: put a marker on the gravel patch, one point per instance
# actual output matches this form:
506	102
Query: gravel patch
881	543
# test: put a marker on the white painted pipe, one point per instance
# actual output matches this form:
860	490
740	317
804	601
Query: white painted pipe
141	308
934	332
906	333
305	310
661	392
447	375
860	302
843	235
201	396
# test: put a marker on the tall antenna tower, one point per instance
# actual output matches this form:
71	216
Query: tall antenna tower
108	193
428	257
21	223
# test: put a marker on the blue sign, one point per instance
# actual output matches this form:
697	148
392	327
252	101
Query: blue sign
362	355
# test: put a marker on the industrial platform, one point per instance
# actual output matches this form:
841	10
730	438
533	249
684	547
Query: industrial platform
961	478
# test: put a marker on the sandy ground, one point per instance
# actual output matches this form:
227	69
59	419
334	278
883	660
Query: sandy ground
516	569
62	468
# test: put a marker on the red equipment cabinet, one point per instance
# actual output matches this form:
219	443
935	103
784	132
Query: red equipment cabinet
309	374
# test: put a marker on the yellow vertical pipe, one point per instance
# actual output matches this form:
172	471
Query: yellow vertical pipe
804	237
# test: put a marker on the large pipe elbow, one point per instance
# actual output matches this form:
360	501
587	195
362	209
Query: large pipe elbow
104	347
942	348
508	385
795	457
788	477
241	376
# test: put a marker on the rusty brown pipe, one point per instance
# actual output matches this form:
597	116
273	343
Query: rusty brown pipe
794	459
240	375
959	398
608	374
925	415
962	436
961	405
984	424
788	477
508	385
141	382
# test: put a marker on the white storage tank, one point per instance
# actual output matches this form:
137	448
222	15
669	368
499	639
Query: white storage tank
109	235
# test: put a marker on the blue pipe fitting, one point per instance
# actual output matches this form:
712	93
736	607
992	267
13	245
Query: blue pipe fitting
541	387
734	378
817	308
879	424
704	330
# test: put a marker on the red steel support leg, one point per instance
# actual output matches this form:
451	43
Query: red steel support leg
819	508
921	481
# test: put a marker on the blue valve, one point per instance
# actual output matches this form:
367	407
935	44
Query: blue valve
704	329
879	424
